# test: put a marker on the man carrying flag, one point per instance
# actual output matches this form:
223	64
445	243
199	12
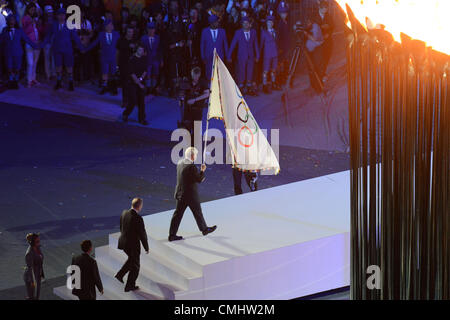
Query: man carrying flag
186	194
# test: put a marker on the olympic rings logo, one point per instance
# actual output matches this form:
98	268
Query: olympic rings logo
243	114
239	137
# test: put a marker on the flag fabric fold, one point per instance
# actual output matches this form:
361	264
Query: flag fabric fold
248	145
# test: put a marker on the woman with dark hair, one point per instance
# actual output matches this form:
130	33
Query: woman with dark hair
32	26
34	271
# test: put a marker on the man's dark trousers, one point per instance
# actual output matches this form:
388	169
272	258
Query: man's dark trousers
135	96
132	265
179	212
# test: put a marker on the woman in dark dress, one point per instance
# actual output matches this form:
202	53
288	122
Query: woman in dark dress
34	271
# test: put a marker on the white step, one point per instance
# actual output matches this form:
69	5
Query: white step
152	268
149	290
149	271
66	294
168	256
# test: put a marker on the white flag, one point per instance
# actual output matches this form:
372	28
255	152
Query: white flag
250	150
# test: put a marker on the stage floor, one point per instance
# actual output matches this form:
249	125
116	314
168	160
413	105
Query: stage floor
265	220
278	243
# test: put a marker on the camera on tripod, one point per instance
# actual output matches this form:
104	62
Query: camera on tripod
299	27
301	31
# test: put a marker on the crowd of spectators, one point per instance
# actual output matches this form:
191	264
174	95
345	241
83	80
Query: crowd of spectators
254	38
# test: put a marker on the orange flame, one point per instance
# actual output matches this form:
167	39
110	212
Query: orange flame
425	20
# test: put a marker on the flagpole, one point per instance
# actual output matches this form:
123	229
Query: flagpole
209	101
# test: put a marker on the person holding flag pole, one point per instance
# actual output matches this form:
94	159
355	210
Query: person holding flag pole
186	193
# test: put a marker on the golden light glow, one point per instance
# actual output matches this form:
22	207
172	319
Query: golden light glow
425	20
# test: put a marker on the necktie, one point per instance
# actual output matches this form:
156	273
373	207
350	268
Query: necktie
273	33
109	38
151	43
11	34
247	36
215	35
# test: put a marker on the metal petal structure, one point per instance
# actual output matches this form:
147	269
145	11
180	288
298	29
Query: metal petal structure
399	117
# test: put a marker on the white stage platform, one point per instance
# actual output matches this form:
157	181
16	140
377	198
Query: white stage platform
279	243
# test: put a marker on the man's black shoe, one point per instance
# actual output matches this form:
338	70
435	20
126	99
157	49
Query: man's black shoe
16	85
114	91
175	238
131	288
103	91
209	230
70	85
144	122
124	118
118	278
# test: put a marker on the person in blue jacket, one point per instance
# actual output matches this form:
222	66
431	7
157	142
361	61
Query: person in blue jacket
61	37
152	45
11	40
108	55
213	37
269	51
246	41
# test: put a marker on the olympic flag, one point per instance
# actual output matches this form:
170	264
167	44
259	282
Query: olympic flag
249	148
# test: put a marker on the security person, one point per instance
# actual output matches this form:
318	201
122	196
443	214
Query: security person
61	39
125	46
152	45
246	42
136	88
269	51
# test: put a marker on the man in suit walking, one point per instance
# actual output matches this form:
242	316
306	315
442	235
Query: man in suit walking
132	234
186	194
90	277
213	37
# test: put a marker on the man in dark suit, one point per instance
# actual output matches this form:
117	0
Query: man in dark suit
212	38
246	41
151	43
186	194
90	277
132	234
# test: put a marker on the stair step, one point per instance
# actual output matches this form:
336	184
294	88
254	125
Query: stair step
169	257
64	293
151	268
149	290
